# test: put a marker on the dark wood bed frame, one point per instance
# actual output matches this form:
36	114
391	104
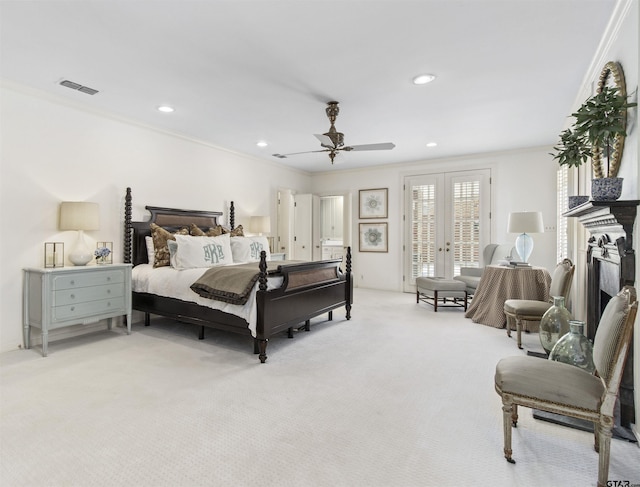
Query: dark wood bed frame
306	291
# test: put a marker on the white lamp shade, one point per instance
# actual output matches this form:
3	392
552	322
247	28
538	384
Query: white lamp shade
260	224
525	222
79	215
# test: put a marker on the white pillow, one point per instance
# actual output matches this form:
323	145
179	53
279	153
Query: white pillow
151	251
172	245
247	249
202	251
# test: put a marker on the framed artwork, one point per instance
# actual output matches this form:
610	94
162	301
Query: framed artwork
374	237
373	203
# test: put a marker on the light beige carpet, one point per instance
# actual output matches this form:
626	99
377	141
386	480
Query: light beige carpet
398	396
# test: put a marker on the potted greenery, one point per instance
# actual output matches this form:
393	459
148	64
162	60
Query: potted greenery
573	150
598	132
602	120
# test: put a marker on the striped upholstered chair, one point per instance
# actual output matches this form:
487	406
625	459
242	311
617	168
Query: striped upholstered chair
520	310
560	388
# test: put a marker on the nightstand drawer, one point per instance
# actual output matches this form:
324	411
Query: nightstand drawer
92	308
85	294
84	279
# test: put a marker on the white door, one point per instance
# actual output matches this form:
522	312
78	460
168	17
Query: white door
446	223
284	236
302	219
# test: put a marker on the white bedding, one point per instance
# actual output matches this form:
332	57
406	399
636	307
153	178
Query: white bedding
173	283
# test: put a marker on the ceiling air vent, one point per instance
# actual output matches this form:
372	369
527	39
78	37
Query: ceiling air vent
76	86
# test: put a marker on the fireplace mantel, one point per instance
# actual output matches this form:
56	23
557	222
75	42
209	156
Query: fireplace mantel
611	265
607	217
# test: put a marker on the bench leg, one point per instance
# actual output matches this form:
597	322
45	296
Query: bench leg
435	301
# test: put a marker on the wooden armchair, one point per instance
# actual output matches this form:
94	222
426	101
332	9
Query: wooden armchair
564	389
520	310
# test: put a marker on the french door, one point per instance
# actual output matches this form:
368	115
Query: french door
446	223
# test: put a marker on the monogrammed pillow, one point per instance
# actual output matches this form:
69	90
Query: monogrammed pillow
202	251
247	249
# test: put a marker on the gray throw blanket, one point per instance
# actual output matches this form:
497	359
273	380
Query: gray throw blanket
233	283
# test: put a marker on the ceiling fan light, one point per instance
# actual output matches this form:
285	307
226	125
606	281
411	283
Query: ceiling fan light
261	143
432	144
423	79
165	109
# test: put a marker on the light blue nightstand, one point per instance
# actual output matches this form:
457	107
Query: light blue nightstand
57	297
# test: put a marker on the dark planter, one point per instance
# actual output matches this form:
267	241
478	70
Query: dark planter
577	201
606	189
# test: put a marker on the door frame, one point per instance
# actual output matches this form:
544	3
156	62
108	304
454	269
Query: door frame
445	178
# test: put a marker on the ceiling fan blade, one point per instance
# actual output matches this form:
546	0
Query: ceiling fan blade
284	156
382	146
324	140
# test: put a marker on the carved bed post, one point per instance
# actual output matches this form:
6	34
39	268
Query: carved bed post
127	227
232	216
262	287
349	288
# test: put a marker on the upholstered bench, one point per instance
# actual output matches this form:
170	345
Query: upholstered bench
432	289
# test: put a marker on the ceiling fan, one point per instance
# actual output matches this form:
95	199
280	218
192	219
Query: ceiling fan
333	141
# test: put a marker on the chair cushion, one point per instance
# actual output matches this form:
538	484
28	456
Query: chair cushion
559	280
439	284
607	337
526	308
549	381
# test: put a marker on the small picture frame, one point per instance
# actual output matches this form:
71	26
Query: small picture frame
104	253
374	203
374	237
53	254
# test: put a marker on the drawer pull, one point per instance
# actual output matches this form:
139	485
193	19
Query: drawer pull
73	282
108	291
73	296
108	304
73	308
109	278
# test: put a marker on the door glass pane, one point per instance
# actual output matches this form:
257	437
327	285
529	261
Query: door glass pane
423	230
466	225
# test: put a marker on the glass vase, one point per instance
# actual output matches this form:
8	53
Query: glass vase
554	324
574	348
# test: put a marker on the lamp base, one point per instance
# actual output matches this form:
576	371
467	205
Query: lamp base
524	246
81	254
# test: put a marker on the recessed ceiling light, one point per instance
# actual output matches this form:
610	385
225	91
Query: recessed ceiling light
262	143
432	144
166	109
423	79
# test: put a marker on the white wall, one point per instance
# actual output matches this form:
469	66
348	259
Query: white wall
510	192
53	152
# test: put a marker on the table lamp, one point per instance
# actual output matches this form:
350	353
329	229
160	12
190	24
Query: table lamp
79	216
260	224
524	223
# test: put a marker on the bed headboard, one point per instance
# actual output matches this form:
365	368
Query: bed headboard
173	219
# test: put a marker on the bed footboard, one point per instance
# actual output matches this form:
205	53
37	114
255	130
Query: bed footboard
308	290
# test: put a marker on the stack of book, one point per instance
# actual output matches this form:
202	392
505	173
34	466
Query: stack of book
515	263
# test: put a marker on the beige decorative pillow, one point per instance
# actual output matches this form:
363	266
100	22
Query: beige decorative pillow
161	249
236	232
196	231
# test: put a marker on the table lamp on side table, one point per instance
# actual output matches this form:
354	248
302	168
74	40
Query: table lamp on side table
80	216
524	223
